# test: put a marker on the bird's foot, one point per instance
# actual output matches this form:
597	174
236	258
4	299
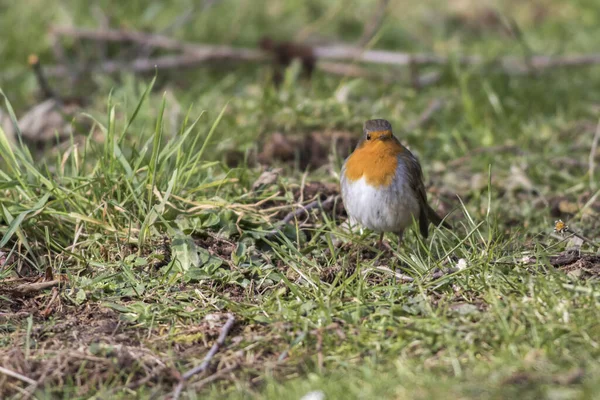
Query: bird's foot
384	246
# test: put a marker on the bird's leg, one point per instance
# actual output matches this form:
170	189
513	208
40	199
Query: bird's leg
400	235
380	242
382	245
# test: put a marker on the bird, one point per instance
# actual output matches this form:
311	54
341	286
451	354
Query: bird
382	184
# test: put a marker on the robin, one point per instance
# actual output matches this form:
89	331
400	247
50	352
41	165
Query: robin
382	184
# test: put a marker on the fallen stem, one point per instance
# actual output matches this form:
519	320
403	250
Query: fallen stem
17	375
217	375
48	308
302	210
27	288
206	362
197	53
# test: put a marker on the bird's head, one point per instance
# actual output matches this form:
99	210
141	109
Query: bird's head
375	130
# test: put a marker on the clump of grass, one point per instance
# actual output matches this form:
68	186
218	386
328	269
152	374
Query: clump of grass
154	240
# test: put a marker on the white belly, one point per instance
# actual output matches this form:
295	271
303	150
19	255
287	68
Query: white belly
383	209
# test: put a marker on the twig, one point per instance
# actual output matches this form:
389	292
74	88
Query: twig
306	209
397	275
301	210
354	71
163	42
592	161
561	227
18	314
142	65
27	288
48	308
217	375
146	379
34	62
150	64
206	362
16	375
440	272
509	64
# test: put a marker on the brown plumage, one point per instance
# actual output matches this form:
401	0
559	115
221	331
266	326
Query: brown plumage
382	184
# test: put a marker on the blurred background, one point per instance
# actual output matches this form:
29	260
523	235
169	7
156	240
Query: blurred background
460	75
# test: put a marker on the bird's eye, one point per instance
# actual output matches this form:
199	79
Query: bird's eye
368	136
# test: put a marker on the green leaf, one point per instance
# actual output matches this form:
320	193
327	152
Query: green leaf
209	263
213	219
80	297
185	251
239	255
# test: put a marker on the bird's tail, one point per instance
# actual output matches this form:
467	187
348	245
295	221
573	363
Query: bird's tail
435	219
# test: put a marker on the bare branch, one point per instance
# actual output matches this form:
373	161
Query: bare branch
216	376
194	54
301	210
202	52
27	288
16	375
206	362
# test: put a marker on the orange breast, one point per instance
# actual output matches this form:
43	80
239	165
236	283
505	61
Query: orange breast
375	161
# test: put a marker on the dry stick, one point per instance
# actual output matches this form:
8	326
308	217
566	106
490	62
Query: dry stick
16	375
33	287
592	164
19	314
397	275
354	71
510	64
34	62
48	308
217	375
162	42
165	62
141	65
206	362
301	210
580	236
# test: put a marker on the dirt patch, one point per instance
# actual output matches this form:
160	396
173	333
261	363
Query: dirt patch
310	150
524	378
84	325
579	266
565	207
322	191
87	347
329	274
216	246
310	201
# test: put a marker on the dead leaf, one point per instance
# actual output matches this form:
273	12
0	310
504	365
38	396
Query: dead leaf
267	178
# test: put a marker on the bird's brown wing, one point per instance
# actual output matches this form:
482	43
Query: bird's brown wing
415	176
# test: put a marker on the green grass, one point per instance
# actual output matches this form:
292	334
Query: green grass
156	238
